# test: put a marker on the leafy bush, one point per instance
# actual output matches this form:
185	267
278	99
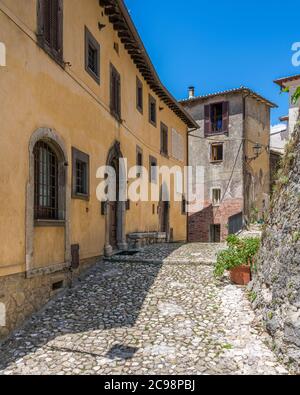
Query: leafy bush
240	251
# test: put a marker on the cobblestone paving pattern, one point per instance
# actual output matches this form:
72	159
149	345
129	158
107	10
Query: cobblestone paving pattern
136	318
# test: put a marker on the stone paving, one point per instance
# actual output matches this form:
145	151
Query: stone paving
141	318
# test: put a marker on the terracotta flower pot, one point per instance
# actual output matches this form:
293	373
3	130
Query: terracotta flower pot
241	275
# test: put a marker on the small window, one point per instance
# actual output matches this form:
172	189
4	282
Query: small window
139	96
216	196
92	56
50	28
153	170
217	152
164	139
183	206
80	179
139	161
152	110
216	118
115	93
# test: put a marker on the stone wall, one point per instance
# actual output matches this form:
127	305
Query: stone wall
20	296
276	285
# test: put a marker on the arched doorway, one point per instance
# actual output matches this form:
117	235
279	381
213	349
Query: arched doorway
116	210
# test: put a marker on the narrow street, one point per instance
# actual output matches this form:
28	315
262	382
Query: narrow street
145	318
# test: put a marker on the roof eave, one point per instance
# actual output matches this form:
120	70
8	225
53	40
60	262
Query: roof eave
129	36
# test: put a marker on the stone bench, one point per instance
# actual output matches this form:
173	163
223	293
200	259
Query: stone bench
140	240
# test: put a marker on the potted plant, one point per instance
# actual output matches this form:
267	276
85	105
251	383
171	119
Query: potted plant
238	259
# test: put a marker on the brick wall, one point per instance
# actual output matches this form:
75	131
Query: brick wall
199	222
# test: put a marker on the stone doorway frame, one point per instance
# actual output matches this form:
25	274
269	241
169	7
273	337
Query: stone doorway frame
51	136
115	154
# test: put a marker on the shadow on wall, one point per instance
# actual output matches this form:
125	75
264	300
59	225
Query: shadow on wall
110	296
199	225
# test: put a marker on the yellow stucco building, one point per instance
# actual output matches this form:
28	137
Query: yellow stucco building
78	91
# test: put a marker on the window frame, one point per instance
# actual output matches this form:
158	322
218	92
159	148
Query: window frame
208	118
214	203
152	161
115	102
49	182
78	155
139	86
91	41
164	143
139	154
55	53
212	146
152	101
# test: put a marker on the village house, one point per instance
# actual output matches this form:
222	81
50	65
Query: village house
78	91
290	84
232	145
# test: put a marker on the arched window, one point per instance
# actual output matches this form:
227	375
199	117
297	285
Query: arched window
46	185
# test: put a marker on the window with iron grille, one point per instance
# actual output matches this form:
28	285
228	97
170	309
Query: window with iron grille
50	28
92	56
164	139
115	93
80	175
45	182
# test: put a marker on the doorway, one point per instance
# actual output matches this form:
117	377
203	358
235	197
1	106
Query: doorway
215	233
113	207
115	237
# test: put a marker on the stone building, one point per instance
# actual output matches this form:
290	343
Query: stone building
78	91
276	285
232	145
290	84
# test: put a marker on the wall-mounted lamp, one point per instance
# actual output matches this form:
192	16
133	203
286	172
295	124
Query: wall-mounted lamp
257	150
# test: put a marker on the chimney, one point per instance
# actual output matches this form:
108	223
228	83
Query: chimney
191	92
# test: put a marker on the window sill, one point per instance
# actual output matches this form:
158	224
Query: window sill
116	116
57	58
165	155
216	162
43	223
154	124
216	134
80	197
95	77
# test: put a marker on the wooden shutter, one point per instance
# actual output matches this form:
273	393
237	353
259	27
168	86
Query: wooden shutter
207	123
59	47
46	5
118	97
112	88
225	116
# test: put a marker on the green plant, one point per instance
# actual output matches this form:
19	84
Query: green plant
240	251
296	236
296	96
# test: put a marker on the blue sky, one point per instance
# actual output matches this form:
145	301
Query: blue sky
217	45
